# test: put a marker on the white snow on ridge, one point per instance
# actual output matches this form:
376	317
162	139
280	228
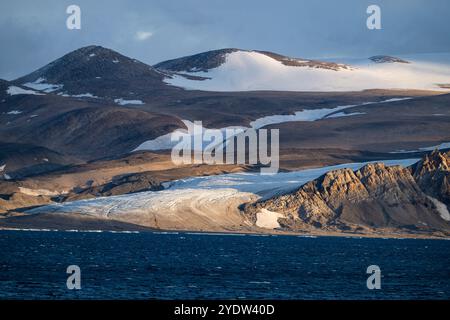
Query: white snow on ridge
314	114
268	186
13	91
244	71
343	114
443	145
164	142
124	102
85	95
40	85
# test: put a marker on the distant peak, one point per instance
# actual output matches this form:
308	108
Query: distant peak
202	62
93	49
198	62
90	48
387	59
432	162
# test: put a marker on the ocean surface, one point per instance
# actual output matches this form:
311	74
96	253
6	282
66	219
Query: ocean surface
205	266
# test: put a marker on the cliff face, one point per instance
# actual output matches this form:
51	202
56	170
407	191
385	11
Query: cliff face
433	176
376	196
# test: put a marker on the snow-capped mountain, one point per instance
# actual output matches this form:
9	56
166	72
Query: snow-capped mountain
95	72
206	61
79	104
244	70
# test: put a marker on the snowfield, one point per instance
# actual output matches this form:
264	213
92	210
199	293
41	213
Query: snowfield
313	114
249	70
14	112
205	202
124	102
41	85
85	95
444	145
164	142
268	219
13	90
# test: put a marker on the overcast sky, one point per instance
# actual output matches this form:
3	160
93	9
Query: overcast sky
33	33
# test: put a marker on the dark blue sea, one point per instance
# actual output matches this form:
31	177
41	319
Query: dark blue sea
204	266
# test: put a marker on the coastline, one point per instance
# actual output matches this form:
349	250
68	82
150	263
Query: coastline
264	233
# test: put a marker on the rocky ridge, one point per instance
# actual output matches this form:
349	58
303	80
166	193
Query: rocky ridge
375	196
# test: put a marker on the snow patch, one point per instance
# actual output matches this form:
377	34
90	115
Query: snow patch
268	219
123	102
14	112
41	85
85	95
164	142
13	90
444	145
38	192
441	208
343	114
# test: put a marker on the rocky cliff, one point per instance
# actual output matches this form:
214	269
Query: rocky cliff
374	197
433	176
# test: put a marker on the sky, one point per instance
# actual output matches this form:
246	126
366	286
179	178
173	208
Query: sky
34	33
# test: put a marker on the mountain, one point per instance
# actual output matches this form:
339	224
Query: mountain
81	128
198	62
373	197
433	176
18	160
94	103
243	70
94	71
206	61
37	125
76	108
4	84
387	59
377	199
8	89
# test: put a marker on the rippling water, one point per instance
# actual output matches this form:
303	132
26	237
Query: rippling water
189	266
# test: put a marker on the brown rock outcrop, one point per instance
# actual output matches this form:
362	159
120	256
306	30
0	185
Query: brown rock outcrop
375	196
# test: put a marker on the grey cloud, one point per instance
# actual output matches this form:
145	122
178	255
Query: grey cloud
33	33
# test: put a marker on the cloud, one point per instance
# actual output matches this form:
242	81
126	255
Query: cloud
33	33
143	35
